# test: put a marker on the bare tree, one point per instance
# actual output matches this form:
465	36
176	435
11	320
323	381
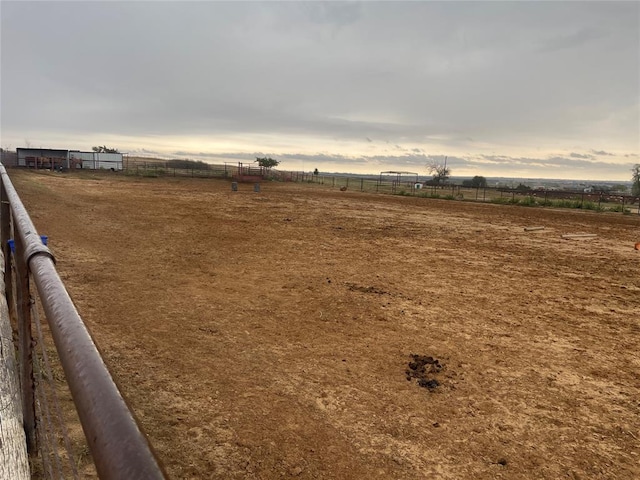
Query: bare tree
440	171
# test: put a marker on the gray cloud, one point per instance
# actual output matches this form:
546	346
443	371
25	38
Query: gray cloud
572	39
464	78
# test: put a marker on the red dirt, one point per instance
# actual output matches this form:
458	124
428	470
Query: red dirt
269	335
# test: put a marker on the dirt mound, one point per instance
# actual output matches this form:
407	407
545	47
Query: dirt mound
424	369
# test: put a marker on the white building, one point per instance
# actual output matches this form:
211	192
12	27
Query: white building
97	160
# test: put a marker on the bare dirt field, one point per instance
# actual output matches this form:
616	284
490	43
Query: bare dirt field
305	332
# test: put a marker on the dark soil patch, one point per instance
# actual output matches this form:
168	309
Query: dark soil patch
423	368
359	288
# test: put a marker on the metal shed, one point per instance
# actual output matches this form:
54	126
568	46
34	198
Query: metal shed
45	158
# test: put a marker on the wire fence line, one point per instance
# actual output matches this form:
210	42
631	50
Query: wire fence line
51	428
595	201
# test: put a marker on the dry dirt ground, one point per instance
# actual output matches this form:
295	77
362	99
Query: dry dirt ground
287	333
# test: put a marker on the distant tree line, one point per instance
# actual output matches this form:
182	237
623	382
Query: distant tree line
523	188
476	182
188	164
104	149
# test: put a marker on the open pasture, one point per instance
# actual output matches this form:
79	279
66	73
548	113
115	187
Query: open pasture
286	333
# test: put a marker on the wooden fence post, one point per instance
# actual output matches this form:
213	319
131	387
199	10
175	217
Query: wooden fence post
14	463
25	347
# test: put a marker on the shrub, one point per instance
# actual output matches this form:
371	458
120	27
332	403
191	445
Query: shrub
589	205
567	203
619	208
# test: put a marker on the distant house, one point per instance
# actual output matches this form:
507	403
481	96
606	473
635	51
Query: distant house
52	159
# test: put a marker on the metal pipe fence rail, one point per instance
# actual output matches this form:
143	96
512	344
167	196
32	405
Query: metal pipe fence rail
119	448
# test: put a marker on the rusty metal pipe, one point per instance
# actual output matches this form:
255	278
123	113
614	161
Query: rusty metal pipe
119	448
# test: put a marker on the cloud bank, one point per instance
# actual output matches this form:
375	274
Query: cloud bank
360	83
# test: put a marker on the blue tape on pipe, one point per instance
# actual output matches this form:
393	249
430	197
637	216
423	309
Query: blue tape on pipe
12	245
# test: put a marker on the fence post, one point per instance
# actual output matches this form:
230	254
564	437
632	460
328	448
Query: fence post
362	184
622	204
5	234
25	347
14	463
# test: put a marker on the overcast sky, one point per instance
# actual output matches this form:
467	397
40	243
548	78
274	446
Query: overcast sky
516	89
